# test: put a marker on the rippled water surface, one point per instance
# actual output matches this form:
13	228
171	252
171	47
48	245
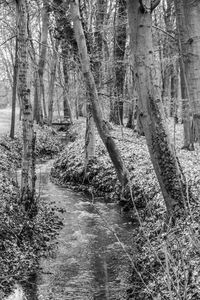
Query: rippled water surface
90	262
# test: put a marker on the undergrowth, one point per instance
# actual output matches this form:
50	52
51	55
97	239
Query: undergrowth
167	262
23	240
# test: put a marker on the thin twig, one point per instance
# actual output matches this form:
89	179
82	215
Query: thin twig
10	38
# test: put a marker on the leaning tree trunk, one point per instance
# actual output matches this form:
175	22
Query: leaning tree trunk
28	174
161	151
101	125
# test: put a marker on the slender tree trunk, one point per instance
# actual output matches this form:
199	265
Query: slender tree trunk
130	122
93	96
98	43
188	142
90	140
188	24
167	53
119	65
151	111
52	81
66	103
28	174
174	94
14	93
37	108
75	81
42	59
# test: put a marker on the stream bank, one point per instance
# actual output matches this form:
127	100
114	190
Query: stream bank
91	258
162	255
18	253
90	226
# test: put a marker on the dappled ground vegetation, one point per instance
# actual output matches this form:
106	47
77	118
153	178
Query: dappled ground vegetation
23	240
167	263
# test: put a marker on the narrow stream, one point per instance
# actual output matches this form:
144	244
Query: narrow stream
90	262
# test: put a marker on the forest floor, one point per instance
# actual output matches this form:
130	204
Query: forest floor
167	264
23	241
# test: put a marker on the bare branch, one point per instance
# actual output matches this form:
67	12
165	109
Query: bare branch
10	38
165	32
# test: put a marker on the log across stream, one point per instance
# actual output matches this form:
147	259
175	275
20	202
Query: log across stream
91	260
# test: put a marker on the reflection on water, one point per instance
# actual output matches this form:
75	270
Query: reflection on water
89	263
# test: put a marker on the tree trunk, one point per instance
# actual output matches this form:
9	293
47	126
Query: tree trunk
150	107
28	174
52	80
98	41
188	23
174	94
37	108
119	65
130	122
14	92
166	89
168	53
188	142
42	58
90	140
66	103
93	96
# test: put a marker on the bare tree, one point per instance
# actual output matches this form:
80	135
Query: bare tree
188	23
53	67
28	171
151	111
93	96
40	96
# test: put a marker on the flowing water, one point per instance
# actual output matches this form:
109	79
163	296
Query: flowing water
91	259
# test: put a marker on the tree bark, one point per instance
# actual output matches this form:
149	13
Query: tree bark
14	92
66	103
52	80
42	58
28	174
37	108
161	151
101	125
90	140
167	53
119	65
188	23
98	41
